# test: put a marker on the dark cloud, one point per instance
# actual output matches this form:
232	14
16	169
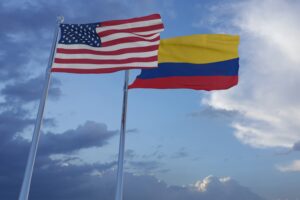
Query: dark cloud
22	36
12	121
37	15
49	122
68	181
215	113
130	154
64	179
224	188
182	153
14	117
30	90
145	166
157	154
54	173
133	130
58	181
296	146
149	188
13	58
90	134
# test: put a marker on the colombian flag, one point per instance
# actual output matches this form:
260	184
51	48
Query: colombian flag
199	62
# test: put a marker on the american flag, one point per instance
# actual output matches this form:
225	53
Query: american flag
108	46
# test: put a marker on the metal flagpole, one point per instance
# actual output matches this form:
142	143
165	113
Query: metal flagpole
36	133
119	190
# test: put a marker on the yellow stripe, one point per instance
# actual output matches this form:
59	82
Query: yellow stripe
199	49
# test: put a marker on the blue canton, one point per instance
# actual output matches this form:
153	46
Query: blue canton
80	34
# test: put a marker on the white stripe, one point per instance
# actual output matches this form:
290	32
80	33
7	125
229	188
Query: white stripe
149	32
124	35
109	48
129	25
104	66
106	57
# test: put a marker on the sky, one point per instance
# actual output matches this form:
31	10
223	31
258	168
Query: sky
241	143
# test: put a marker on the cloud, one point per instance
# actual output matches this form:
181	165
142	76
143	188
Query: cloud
223	188
13	122
90	181
296	146
145	166
135	187
51	173
212	112
148	188
90	134
30	90
181	153
157	154
268	106
291	167
133	130
130	154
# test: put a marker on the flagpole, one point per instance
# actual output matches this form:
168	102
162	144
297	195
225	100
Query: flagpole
24	193
119	190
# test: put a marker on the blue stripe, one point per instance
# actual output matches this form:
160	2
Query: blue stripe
223	68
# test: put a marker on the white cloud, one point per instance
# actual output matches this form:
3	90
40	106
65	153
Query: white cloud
212	187
207	182
267	96
291	167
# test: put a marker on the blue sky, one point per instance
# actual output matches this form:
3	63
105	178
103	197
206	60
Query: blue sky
241	143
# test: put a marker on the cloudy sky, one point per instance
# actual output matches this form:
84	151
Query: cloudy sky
242	143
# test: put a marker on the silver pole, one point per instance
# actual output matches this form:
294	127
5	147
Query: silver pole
36	133
119	191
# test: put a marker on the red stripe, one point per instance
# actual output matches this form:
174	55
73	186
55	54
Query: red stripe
92	71
131	30
127	40
115	52
108	61
191	82
124	21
